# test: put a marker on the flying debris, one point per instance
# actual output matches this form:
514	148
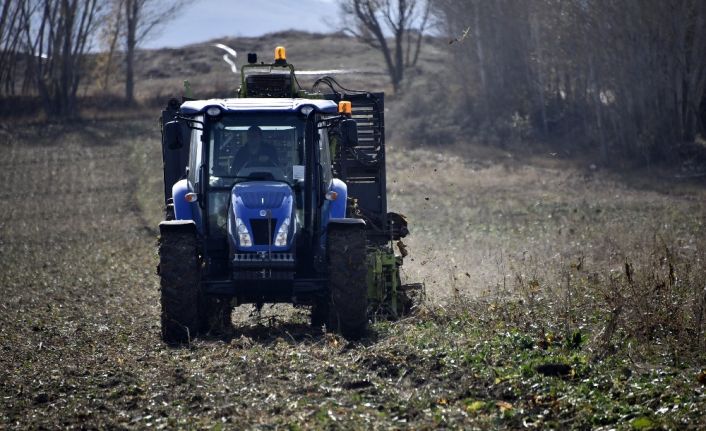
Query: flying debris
462	37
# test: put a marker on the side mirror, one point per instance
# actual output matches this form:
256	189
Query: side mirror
349	132
172	135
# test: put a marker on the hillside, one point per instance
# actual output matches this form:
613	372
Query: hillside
162	72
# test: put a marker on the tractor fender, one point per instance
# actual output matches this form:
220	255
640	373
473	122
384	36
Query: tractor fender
340	224
338	206
185	226
182	208
346	222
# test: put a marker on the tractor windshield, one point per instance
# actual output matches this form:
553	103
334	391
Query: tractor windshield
256	147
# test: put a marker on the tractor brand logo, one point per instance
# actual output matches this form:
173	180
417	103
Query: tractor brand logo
263	213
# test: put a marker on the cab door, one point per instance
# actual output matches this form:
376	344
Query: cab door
174	159
309	250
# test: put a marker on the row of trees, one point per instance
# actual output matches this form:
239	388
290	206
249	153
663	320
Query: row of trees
629	74
622	74
374	21
625	75
44	44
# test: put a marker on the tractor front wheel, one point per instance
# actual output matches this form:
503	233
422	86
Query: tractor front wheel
348	305
179	285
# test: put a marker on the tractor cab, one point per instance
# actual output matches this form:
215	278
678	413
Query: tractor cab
259	185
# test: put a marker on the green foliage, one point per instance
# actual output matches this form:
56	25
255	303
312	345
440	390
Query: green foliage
642	423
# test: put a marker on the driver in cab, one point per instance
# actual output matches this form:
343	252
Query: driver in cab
255	152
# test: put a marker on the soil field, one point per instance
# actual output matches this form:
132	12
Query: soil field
79	318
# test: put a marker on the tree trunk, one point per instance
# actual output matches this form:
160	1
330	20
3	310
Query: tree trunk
131	15
537	39
479	48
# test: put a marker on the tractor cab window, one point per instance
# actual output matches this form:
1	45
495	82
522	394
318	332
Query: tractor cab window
325	155
263	147
195	154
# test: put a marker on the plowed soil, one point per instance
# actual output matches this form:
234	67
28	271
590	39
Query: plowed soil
79	314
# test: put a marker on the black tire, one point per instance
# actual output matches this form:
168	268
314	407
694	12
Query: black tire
179	286
348	306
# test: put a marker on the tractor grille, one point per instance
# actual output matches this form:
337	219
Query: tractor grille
264	257
260	231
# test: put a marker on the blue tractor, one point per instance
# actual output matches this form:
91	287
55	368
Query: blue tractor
277	195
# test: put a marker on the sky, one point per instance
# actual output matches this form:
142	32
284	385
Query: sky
203	20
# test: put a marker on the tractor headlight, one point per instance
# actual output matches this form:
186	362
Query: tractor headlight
244	237
281	239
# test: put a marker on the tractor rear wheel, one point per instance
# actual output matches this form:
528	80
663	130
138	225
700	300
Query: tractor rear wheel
179	285
348	306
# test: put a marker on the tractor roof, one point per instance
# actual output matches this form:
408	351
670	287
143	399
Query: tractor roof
194	107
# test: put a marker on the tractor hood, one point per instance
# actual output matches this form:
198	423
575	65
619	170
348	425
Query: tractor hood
264	209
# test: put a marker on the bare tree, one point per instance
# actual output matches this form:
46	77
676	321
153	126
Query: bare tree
56	36
12	20
110	35
404	20
621	75
142	19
